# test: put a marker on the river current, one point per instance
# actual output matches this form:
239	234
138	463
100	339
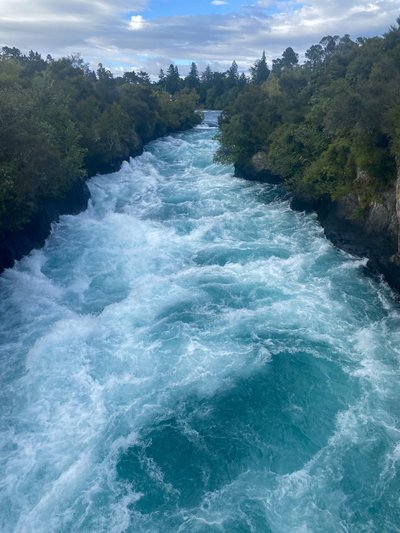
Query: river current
190	355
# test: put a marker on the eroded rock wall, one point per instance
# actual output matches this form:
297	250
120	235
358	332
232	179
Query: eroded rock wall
365	229
17	243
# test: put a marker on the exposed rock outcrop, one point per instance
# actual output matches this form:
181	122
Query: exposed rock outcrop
17	243
369	230
396	257
14	244
372	232
257	169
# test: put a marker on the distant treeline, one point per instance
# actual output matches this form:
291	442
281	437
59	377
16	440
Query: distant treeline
318	124
60	122
215	90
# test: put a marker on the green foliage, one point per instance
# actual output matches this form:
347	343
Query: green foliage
172	79
60	122
260	71
253	111
192	80
286	151
321	122
288	60
332	173
392	127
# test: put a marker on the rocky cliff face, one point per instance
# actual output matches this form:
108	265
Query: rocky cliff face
15	244
256	169
396	256
371	230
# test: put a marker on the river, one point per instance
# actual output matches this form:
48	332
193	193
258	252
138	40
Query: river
190	355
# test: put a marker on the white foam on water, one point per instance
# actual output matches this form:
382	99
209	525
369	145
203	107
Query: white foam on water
178	280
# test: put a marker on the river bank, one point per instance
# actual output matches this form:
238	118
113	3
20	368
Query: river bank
15	244
190	352
371	231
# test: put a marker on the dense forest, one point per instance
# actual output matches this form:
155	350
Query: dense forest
60	122
322	126
329	126
214	90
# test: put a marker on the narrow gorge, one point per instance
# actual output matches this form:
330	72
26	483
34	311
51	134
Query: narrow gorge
190	354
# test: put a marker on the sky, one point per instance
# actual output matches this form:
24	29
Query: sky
150	34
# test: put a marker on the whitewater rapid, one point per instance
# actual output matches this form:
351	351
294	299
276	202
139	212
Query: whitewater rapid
190	355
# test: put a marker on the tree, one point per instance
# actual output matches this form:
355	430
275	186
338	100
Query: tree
172	79
289	58
103	74
242	80
130	77
318	131
8	52
192	79
260	71
329	43
315	55
143	78
162	79
140	78
34	56
207	76
233	72
59	121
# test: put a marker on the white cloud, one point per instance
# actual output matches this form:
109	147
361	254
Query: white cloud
219	3
106	31
24	10
137	22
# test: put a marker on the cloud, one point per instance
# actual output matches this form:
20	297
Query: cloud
136	23
65	27
22	11
119	33
243	36
219	3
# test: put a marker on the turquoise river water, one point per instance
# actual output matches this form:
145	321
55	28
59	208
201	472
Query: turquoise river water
190	355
